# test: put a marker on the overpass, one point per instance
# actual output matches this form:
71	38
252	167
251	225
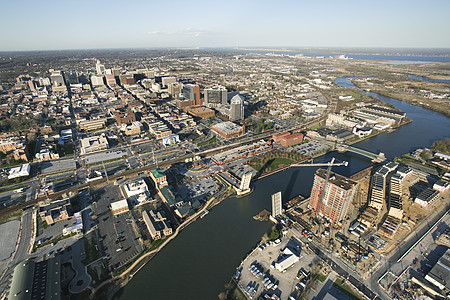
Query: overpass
376	158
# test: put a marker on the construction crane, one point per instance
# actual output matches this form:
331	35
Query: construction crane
329	164
326	164
322	193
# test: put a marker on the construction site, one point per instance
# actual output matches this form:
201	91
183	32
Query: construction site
364	217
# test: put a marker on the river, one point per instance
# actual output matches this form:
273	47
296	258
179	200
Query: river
203	257
414	77
434	56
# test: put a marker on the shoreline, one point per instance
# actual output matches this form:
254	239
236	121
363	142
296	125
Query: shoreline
129	273
418	103
209	205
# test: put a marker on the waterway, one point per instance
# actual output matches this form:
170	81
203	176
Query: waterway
364	56
413	77
203	257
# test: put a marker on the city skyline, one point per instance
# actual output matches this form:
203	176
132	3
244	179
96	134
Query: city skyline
54	25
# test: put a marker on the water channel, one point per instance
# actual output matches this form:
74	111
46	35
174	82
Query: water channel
203	257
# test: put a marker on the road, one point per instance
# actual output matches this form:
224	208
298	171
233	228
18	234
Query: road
345	272
22	249
391	263
396	263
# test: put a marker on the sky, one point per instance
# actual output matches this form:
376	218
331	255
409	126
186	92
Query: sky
57	25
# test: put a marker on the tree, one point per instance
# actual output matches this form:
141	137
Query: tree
442	146
274	235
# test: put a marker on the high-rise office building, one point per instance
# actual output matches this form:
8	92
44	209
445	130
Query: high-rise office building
57	78
167	80
192	92
72	78
377	191
110	79
276	204
115	71
99	68
237	108
97	80
331	199
174	89
216	96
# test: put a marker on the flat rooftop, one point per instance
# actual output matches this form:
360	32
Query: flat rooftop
228	127
336	179
157	173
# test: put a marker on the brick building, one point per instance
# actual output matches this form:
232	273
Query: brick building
337	195
125	118
291	139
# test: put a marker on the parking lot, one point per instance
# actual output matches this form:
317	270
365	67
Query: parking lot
142	148
117	237
9	233
283	283
55	166
310	148
199	189
103	156
53	231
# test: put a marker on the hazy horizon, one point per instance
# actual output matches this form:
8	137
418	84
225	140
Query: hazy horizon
309	51
60	25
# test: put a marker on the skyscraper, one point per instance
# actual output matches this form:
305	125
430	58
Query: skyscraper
192	92
72	78
331	199
216	95
99	68
237	108
57	78
276	204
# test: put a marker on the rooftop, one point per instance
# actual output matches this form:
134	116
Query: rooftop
228	127
158	173
427	195
336	179
119	204
441	270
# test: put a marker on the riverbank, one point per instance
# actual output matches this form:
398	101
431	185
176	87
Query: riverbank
440	107
109	288
122	279
113	285
431	104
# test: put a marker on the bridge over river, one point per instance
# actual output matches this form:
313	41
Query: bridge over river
376	158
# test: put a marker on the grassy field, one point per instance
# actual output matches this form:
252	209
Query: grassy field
321	277
272	164
211	141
